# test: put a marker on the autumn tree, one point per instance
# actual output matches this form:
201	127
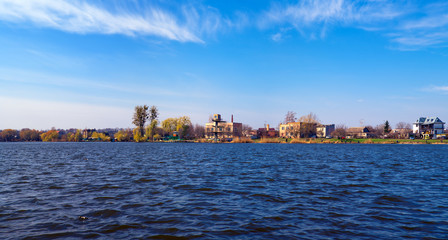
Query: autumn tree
151	129
27	134
141	115
138	137
169	125
9	135
74	137
50	136
123	135
180	124
100	136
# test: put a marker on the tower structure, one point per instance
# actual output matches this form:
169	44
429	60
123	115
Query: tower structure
216	120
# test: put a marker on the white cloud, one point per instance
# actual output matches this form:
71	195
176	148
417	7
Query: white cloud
277	37
82	17
440	88
311	15
405	23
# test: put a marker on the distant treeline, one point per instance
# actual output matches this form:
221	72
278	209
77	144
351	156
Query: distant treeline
101	135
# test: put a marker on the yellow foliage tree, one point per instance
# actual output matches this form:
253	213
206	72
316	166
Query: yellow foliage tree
50	136
137	135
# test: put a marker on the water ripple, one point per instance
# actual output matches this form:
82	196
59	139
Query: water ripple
222	191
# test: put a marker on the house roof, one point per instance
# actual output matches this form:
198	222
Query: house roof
356	130
428	120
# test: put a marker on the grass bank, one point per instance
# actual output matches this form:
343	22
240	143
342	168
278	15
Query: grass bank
331	141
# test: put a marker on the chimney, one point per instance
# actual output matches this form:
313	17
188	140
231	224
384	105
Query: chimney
232	118
267	127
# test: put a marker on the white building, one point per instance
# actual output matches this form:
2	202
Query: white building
323	131
428	127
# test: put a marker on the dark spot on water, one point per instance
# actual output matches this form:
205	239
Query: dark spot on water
106	213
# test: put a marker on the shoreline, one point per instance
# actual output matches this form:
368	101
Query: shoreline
283	141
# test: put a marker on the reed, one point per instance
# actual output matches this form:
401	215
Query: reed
269	140
296	140
242	140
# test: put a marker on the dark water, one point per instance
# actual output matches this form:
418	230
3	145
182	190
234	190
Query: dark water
223	191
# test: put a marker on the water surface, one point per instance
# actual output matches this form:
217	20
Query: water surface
223	191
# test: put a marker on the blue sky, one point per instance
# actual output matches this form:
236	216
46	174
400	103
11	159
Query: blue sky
77	64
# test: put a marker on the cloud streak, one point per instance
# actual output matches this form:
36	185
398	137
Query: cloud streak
406	23
82	17
443	89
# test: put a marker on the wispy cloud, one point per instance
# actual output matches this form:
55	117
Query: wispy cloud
442	89
83	17
410	24
277	37
317	15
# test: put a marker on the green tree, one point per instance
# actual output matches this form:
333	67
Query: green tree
141	115
386	127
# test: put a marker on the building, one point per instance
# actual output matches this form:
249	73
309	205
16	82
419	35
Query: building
219	129
267	132
358	132
428	127
297	130
323	131
401	133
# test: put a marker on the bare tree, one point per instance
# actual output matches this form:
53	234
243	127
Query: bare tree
153	113
379	130
340	131
198	131
403	130
246	129
404	125
290	117
308	124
